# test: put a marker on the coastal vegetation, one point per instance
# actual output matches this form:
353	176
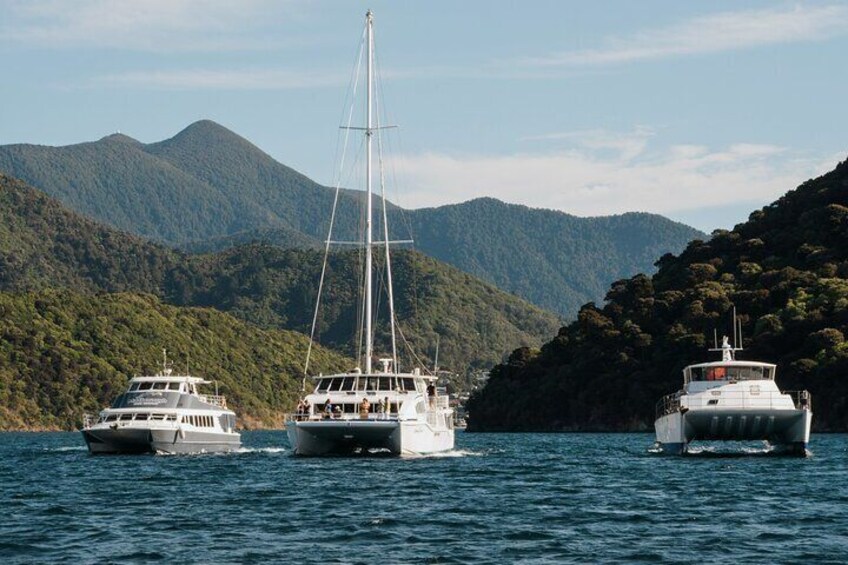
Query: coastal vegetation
52	256
63	353
786	272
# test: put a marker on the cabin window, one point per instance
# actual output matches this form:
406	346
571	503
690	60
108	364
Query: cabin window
173	386
322	385
407	384
123	417
336	384
110	418
141	417
347	384
144	386
134	387
171	418
159	386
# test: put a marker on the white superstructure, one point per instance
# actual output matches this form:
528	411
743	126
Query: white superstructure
366	410
733	400
163	413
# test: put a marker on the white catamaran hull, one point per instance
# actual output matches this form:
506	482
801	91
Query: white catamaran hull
324	437
128	440
787	429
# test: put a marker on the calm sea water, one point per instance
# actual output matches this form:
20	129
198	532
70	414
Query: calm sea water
498	498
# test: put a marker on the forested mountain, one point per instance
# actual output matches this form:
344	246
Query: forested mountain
785	269
207	189
63	353
44	245
549	258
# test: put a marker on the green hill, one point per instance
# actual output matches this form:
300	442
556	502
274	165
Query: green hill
63	353
208	188
43	245
785	269
549	258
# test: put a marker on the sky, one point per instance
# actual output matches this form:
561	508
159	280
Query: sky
700	111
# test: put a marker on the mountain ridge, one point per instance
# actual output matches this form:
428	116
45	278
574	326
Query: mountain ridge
43	245
207	187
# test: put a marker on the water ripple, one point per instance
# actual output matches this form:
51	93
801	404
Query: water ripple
496	498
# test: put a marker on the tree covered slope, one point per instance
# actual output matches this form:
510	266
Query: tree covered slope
63	353
786	271
44	245
207	189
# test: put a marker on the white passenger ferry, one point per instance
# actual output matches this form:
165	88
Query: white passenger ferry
164	413
367	410
733	400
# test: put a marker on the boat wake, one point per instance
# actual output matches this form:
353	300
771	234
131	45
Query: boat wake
725	451
66	448
453	453
271	450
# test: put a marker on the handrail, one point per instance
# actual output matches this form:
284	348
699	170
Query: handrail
713	399
214	399
440	401
667	404
801	398
89	419
344	416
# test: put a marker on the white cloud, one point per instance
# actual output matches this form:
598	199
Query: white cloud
143	25
584	181
232	79
709	34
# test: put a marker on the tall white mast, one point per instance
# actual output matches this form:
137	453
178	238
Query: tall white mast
369	243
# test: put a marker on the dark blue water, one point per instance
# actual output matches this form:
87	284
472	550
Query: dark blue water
499	498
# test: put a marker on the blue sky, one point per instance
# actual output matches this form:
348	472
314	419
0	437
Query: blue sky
701	111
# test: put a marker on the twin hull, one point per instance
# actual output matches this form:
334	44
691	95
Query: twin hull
788	429
108	440
398	437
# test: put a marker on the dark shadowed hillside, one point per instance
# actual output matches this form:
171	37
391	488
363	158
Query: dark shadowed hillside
785	269
207	189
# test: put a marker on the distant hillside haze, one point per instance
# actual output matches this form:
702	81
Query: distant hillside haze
785	271
207	188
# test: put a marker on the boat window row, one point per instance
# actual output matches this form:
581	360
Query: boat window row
158	386
347	408
200	421
139	417
343	384
752	373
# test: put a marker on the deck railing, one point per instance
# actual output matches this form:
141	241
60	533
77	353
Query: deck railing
719	399
89	419
295	417
440	401
214	399
801	399
668	404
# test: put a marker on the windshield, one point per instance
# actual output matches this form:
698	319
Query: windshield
740	373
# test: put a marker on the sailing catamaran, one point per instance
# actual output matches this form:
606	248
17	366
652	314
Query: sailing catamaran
366	410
